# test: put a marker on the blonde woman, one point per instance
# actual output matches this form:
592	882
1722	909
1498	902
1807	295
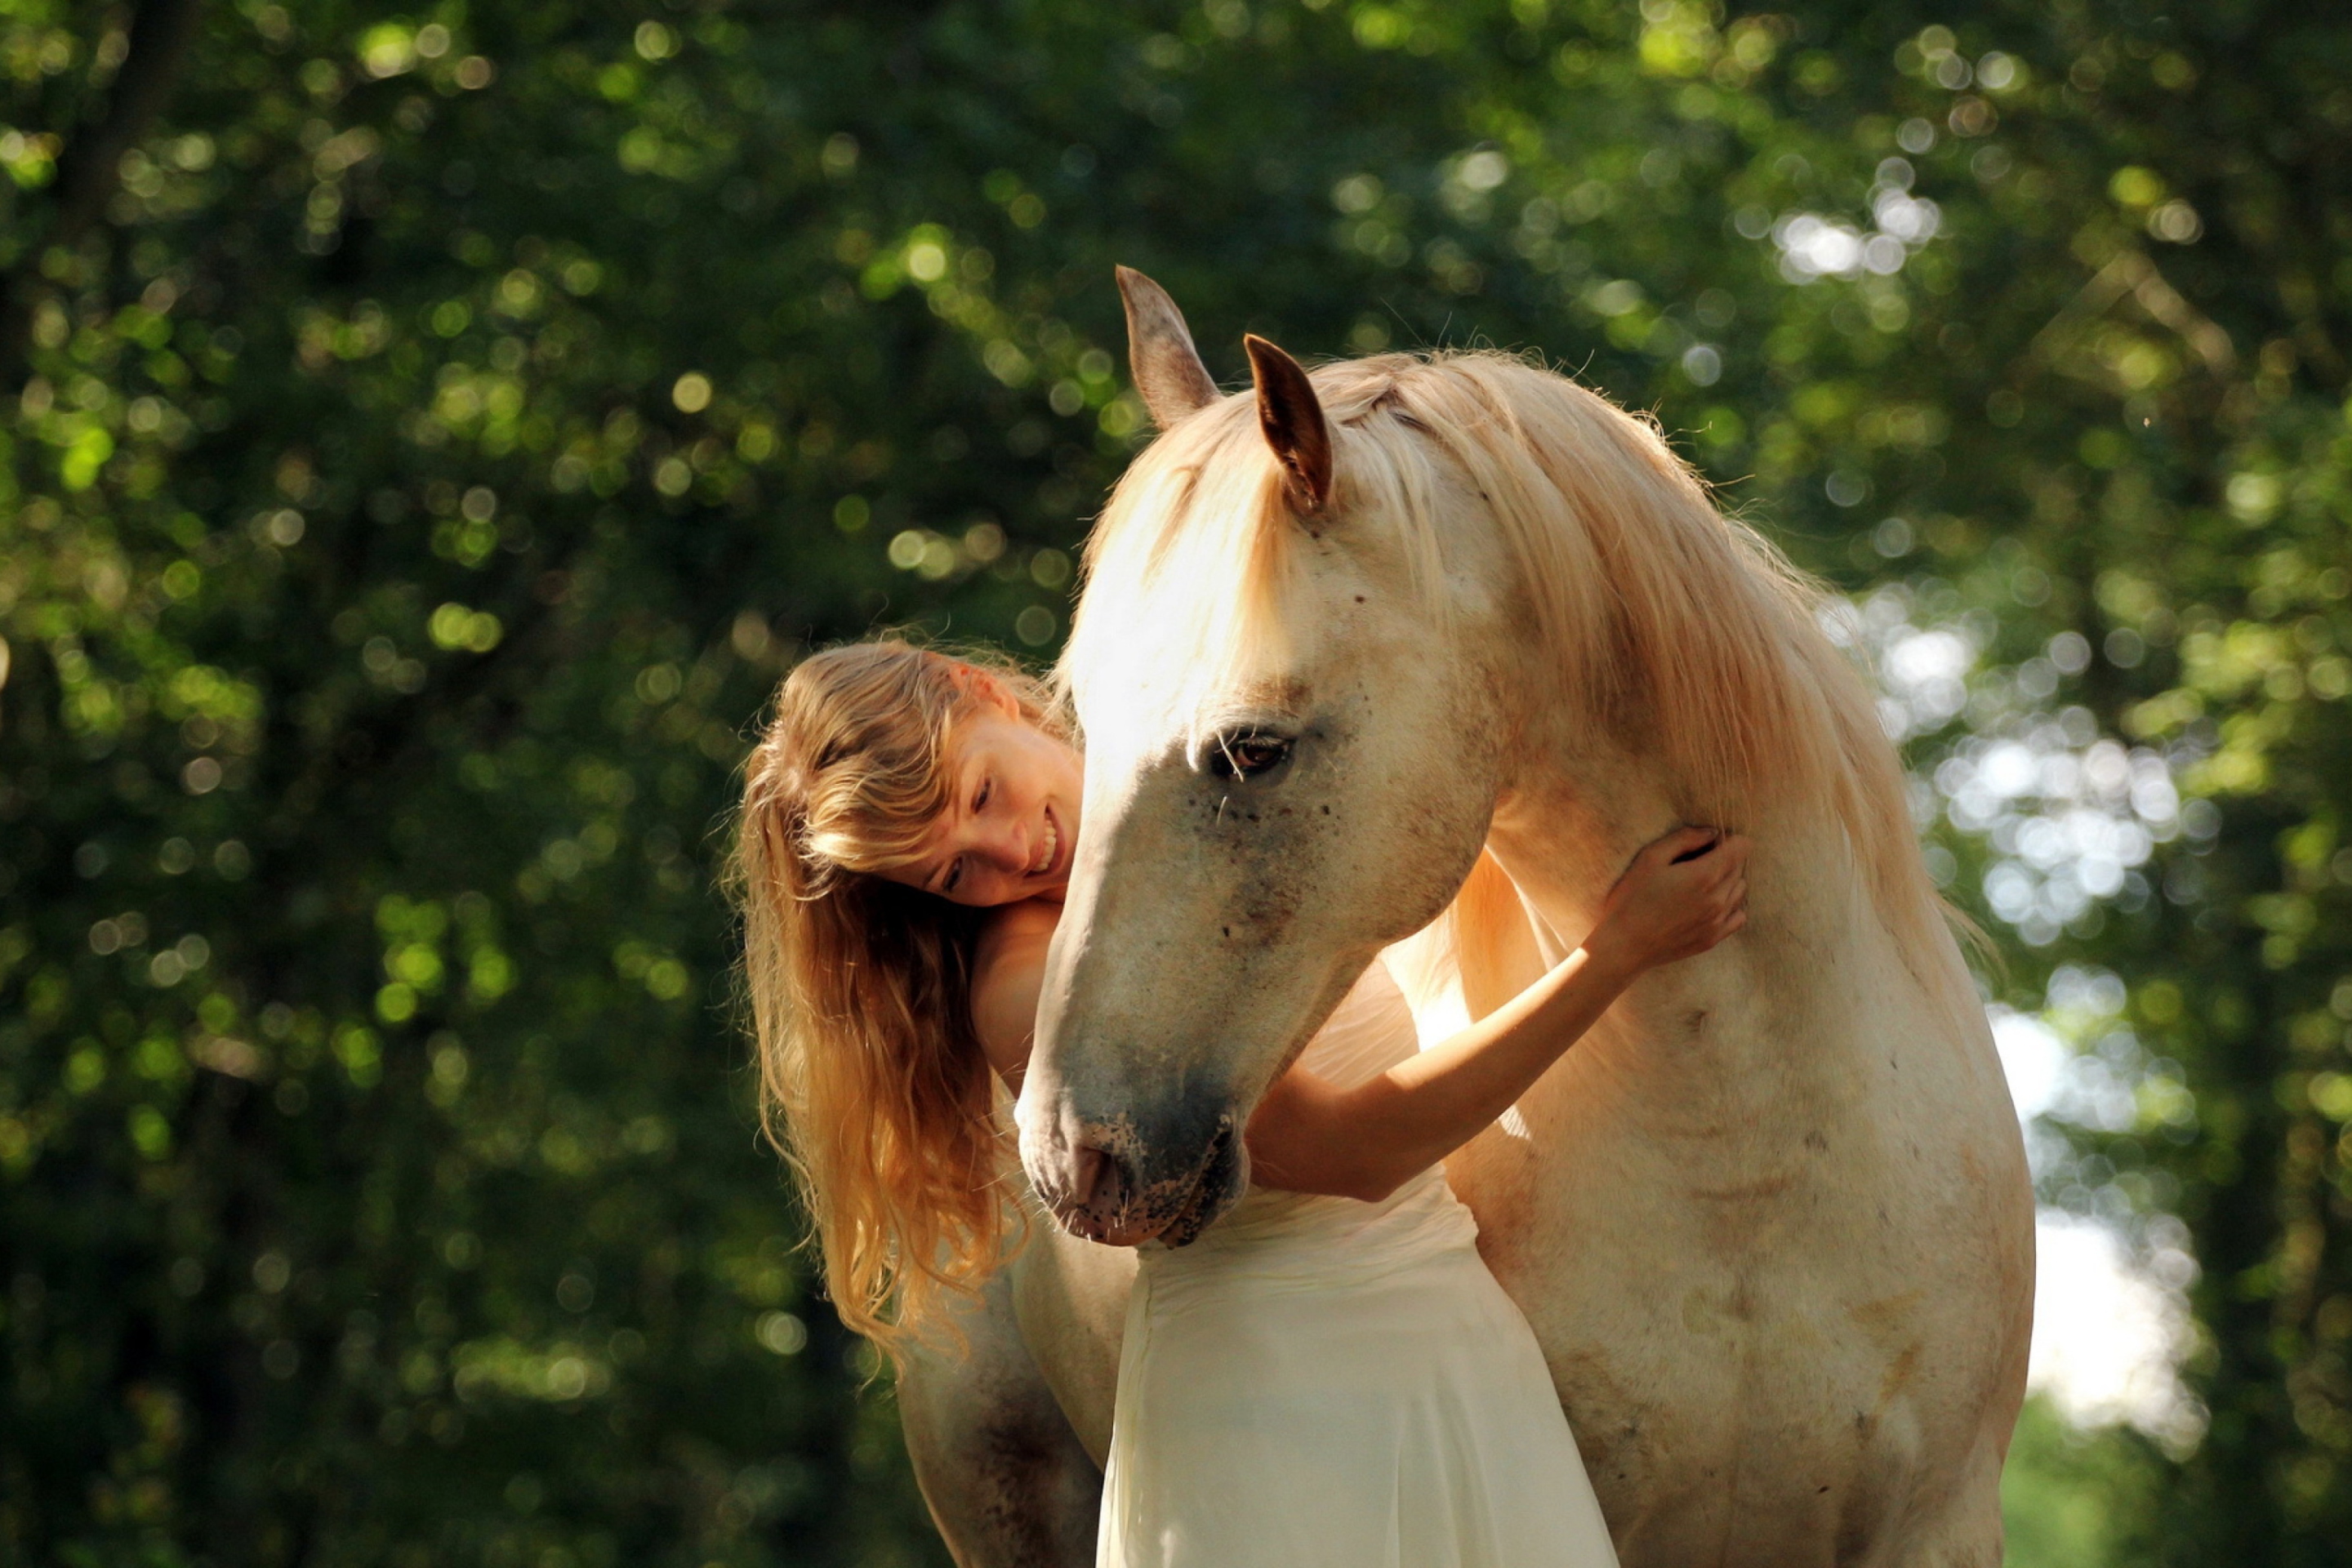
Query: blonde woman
1329	1375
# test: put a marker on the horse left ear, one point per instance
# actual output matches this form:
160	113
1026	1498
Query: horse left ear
1292	419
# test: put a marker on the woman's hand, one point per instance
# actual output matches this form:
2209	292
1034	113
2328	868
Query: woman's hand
1681	895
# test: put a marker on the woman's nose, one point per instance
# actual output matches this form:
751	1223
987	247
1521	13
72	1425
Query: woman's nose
1005	847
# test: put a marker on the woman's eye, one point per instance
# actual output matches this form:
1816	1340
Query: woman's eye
1247	756
947	883
980	801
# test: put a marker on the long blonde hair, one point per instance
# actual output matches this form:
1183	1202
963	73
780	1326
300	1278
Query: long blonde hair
872	1081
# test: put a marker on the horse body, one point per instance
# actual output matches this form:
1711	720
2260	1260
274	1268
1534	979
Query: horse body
1769	1223
1769	1220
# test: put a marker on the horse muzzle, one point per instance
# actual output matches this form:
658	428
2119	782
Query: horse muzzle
1107	1183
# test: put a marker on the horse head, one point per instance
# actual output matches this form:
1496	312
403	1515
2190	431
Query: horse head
1292	751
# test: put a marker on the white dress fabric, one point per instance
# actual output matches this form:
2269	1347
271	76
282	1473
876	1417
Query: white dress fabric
1318	1382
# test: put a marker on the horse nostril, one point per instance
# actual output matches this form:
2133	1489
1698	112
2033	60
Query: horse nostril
1091	1166
1103	1180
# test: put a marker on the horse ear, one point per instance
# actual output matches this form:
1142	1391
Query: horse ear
1167	367
1292	417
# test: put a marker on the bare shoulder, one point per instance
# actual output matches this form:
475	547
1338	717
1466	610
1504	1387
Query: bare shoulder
1008	971
1014	937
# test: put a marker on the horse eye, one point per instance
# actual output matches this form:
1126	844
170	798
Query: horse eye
1247	756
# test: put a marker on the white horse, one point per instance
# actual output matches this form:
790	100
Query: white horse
1770	1219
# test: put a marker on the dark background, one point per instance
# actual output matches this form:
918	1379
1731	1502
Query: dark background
431	433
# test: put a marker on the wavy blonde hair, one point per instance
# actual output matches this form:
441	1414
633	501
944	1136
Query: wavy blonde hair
872	1082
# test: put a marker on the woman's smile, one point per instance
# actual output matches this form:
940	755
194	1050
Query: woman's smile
1009	828
1049	848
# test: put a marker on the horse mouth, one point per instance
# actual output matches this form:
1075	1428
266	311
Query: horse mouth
1202	1209
1174	1211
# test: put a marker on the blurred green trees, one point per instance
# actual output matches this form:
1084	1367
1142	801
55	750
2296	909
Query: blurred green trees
433	430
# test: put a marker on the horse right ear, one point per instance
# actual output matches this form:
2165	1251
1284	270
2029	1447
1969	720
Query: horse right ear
1291	417
1167	367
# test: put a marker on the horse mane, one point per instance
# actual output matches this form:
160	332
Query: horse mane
1657	615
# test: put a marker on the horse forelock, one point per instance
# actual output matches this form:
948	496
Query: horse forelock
1183	574
1655	614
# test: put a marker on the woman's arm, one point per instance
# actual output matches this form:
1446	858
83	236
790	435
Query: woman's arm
1682	895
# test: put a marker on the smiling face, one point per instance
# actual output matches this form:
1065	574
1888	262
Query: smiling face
1010	828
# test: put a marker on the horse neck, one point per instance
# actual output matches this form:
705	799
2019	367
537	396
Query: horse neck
1578	808
1570	820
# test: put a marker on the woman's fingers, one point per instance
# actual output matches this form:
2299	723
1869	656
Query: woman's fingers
1725	857
1690	887
1686	844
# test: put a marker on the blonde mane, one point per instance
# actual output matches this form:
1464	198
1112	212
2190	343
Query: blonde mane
1678	629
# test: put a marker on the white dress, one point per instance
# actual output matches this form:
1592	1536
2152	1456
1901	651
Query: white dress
1318	1382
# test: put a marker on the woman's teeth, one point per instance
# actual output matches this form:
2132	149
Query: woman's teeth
1044	862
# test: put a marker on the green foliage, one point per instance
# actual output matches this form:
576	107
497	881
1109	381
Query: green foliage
433	431
2076	1500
